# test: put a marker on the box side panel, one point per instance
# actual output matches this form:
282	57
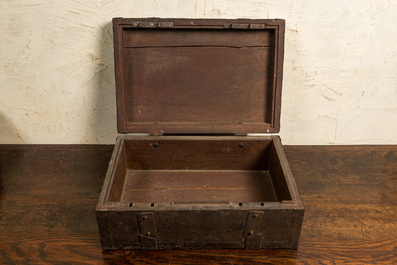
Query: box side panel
296	228
198	153
278	176
120	171
276	226
104	234
281	167
278	73
284	169
118	229
110	175
118	66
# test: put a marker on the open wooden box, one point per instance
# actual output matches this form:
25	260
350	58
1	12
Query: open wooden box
196	180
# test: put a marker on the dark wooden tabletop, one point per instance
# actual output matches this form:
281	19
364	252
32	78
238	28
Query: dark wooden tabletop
48	196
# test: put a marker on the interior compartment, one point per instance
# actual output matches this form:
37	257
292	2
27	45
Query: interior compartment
158	170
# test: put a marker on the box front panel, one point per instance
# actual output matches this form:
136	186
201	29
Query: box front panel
119	229
201	228
196	229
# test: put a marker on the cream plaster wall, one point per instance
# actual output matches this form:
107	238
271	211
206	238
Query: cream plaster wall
340	72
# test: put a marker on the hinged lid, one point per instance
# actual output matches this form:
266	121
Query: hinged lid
198	76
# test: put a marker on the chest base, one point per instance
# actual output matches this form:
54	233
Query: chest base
176	192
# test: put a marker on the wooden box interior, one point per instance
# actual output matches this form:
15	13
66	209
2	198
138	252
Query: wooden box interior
149	171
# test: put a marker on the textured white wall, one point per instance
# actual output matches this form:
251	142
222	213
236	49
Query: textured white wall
340	71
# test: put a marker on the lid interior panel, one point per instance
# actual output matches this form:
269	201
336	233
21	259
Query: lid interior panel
189	80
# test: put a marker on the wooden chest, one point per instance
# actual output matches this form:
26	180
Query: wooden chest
196	87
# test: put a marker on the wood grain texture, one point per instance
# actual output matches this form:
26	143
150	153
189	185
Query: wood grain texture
198	185
48	196
199	76
172	153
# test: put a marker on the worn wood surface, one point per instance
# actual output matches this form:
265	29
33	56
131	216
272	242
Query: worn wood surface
198	76
48	196
192	153
198	186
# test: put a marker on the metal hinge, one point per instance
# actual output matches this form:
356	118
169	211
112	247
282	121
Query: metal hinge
152	24
244	26
148	233
252	232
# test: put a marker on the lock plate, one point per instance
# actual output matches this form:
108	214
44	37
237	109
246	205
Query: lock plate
148	233
252	231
